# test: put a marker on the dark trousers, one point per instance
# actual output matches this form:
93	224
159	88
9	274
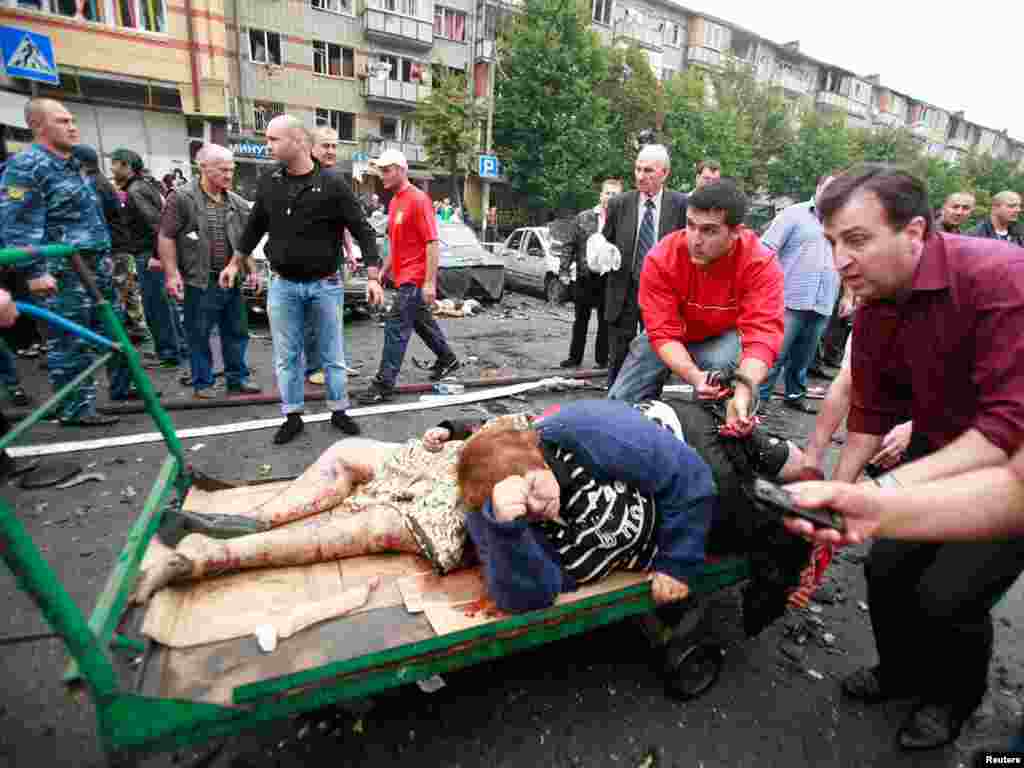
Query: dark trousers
833	342
409	313
930	608
588	295
206	309
621	332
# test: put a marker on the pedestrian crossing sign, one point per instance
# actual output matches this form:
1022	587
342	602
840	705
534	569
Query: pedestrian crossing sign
28	55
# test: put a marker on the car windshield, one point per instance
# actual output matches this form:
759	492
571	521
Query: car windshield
456	235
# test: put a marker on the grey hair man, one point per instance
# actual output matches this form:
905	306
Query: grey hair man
201	227
1001	223
305	209
635	221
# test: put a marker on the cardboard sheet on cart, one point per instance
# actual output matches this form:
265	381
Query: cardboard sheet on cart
233	606
459	600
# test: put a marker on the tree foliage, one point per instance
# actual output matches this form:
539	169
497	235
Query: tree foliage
636	103
551	121
821	144
448	119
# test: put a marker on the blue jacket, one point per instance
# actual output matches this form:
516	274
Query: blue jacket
44	201
614	442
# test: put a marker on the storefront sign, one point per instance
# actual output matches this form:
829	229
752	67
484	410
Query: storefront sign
28	55
251	149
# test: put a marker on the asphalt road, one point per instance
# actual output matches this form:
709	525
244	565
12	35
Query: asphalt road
595	700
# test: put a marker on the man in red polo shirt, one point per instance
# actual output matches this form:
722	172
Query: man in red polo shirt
939	339
412	259
711	296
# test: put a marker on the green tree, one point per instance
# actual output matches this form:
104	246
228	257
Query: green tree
822	143
636	103
551	121
884	145
695	130
760	115
448	119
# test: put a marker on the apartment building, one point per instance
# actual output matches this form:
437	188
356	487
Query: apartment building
146	74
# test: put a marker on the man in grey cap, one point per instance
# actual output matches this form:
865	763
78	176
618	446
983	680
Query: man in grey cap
133	229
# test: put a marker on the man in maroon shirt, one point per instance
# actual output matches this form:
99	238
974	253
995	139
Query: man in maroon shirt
940	340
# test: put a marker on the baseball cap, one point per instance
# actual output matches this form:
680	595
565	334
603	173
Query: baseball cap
129	158
391	157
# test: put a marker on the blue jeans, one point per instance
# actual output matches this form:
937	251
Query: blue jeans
162	316
799	345
8	368
409	313
292	306
204	309
644	374
311	346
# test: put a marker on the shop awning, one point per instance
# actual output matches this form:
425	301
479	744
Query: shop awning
12	109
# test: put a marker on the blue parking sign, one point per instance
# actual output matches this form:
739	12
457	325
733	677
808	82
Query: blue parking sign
489	167
28	55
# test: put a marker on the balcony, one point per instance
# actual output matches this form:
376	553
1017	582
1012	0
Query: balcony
792	83
414	153
398	29
484	50
839	102
920	130
394	92
889	119
698	54
629	31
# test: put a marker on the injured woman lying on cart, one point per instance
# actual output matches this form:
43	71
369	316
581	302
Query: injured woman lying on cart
544	505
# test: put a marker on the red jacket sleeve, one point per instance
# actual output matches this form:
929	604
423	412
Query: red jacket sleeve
762	312
659	303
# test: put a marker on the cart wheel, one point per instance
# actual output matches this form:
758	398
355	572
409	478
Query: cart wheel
691	670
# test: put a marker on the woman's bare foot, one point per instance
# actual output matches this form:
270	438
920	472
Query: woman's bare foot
666	589
172	566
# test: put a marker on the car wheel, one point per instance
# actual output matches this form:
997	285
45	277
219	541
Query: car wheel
553	290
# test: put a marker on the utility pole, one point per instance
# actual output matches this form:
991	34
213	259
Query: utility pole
486	205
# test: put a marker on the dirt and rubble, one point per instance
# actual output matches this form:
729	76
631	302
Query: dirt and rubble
593	700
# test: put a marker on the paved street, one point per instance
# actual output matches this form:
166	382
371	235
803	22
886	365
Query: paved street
595	700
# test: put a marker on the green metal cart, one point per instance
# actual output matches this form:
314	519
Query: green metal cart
349	657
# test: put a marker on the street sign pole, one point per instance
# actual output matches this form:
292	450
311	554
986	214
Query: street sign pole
486	207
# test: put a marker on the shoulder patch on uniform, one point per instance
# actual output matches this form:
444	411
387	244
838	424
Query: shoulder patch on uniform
15	193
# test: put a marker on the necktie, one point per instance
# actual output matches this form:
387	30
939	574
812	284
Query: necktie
646	239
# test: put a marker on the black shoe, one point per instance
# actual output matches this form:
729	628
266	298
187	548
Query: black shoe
570	363
376	394
799	404
820	372
930	726
90	420
289	430
185	379
865	685
19	396
245	388
440	370
344	422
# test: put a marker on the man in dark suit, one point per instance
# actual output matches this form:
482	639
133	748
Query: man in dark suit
588	286
636	221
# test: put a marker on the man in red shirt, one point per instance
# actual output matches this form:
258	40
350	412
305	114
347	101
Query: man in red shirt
710	295
412	259
938	339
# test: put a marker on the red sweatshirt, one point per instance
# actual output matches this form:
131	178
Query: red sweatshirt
682	301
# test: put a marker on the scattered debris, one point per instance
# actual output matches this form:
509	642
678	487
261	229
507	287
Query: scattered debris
828	638
198	447
128	492
266	636
815	674
862	605
88	477
792	650
813	608
432	684
264	470
357	727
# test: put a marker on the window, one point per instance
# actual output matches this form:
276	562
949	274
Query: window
264	112
714	36
333	60
334	6
139	14
342	122
264	47
408	7
603	11
672	36
389	128
667	73
450	24
403	70
76	9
